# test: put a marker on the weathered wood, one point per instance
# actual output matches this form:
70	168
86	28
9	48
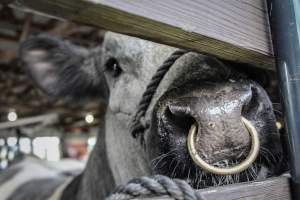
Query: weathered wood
274	188
231	29
270	189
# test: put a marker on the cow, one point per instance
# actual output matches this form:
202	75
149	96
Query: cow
197	89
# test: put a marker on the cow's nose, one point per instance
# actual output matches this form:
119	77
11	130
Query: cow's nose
221	135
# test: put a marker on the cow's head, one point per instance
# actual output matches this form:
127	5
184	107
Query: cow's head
196	90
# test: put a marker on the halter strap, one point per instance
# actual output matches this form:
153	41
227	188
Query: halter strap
138	124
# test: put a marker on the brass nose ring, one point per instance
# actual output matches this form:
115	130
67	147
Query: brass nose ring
227	170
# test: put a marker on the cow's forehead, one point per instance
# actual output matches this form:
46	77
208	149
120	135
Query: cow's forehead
128	45
123	44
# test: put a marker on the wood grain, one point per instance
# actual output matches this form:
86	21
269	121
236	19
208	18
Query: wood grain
271	189
236	30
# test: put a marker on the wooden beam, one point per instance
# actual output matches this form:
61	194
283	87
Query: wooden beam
43	119
26	27
273	188
236	30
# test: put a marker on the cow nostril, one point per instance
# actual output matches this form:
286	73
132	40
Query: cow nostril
178	120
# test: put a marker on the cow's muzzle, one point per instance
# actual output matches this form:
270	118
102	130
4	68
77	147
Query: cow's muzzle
253	153
221	140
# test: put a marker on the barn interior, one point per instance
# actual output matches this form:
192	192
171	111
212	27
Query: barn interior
64	131
30	122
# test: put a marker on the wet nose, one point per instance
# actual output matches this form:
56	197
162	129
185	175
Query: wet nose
221	135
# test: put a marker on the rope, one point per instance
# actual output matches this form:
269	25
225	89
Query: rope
138	126
155	186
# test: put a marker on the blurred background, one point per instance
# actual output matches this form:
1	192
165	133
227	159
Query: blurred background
30	122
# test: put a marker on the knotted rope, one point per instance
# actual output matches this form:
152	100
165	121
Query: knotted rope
138	126
155	186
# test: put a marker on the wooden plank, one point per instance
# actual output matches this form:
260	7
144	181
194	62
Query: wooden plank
230	29
271	189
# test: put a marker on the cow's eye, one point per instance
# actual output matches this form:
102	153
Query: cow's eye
112	66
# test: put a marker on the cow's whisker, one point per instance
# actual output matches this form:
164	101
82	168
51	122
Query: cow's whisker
174	170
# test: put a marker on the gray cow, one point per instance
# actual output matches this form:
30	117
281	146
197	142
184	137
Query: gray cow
196	90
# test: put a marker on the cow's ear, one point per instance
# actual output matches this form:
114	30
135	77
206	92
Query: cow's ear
61	69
